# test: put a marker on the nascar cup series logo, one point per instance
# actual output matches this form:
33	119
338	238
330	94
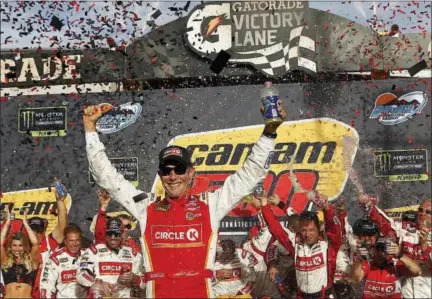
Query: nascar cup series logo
392	110
270	35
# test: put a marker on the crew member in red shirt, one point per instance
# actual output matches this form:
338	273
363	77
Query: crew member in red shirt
382	270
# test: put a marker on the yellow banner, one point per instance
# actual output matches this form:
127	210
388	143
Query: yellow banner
37	202
316	147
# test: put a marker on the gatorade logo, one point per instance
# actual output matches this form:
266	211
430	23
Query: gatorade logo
177	236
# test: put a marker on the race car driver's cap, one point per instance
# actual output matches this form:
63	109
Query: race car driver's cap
174	153
38	224
114	226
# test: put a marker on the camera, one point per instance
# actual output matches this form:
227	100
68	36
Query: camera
382	244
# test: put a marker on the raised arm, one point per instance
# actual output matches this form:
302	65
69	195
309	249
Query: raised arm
260	242
101	218
385	224
410	265
3	236
276	228
34	243
62	218
105	174
333	227
244	181
254	170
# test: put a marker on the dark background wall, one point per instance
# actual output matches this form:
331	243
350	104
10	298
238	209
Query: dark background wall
28	162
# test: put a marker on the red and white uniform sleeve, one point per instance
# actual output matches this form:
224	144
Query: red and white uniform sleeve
248	272
107	177
276	229
243	181
49	280
101	220
86	272
386	225
258	244
138	269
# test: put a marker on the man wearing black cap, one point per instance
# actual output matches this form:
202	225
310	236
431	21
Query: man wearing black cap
179	230
48	243
116	267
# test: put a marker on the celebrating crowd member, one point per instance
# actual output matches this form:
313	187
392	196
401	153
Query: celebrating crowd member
315	259
104	200
344	259
48	243
279	261
382	270
414	241
19	260
116	267
181	226
257	244
234	271
59	276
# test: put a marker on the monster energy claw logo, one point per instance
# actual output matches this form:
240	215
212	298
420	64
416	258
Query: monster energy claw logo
28	119
384	161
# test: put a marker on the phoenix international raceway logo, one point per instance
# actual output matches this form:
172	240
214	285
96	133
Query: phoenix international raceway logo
391	110
269	35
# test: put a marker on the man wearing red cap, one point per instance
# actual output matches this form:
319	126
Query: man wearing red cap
179	230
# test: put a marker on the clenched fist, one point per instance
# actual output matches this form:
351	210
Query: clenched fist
92	114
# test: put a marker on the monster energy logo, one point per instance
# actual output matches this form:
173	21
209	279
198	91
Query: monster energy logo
28	118
383	160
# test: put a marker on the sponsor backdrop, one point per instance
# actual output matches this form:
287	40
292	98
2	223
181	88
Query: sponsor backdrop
219	124
271	37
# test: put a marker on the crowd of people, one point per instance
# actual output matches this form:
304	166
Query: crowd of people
180	255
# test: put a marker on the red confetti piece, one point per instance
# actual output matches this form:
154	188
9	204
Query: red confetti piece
352	123
357	112
308	92
47	147
410	140
71	124
3	99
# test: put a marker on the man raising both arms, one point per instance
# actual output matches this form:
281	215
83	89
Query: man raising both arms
179	230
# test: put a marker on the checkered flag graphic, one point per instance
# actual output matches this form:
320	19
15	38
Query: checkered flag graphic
276	60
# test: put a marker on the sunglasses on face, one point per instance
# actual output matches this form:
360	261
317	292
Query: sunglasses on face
427	211
115	234
128	226
179	169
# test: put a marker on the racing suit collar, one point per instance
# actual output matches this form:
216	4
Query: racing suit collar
73	254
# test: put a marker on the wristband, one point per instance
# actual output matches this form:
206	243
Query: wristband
269	135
